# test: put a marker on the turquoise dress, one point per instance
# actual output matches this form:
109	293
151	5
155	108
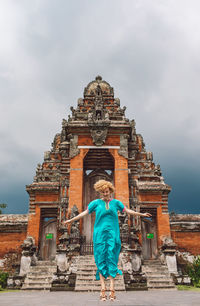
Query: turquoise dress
106	237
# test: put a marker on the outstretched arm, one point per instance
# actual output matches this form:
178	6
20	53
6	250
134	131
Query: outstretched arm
132	212
81	215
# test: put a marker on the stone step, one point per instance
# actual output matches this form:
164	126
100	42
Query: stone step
155	278
84	282
36	287
159	270
163	289
37	275
160	282
37	281
158	276
40	276
42	270
86	276
90	277
79	264
157	273
45	263
96	288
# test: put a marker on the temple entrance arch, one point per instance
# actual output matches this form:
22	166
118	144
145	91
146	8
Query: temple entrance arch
98	164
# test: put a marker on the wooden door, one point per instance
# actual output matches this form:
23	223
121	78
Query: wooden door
149	238
48	239
90	178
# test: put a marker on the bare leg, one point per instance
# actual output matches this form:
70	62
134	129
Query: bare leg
112	289
112	283
103	286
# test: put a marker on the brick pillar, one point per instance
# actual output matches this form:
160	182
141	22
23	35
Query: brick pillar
163	225
76	181
121	177
33	229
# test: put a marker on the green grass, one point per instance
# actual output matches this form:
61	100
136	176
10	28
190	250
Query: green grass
190	288
9	290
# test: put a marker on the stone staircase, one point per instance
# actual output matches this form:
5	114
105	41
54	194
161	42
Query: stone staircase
86	276
40	276
158	276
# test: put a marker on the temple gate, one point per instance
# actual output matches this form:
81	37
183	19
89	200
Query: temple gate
98	141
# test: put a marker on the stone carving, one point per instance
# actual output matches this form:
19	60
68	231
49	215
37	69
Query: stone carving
98	120
80	102
44	175
47	155
56	142
28	255
123	145
62	262
73	112
73	146
90	116
75	225
157	170
99	135
63	241
65	182
117	101
149	156
133	130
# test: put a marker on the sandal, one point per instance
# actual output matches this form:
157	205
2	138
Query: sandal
103	295
112	295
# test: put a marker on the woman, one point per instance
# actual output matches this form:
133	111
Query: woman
106	235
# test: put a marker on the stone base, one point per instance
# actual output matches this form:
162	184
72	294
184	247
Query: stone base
69	285
61	287
135	281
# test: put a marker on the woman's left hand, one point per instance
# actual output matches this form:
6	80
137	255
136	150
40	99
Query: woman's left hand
147	215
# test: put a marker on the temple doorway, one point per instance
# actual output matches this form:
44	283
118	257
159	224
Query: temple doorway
149	235
47	246
98	164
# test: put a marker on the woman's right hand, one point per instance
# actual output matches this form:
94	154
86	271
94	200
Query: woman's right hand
67	221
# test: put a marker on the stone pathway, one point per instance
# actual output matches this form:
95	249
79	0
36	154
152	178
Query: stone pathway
133	298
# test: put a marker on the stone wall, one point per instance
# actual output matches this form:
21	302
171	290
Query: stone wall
185	231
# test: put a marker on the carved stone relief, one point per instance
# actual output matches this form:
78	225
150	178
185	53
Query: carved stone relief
123	145
73	146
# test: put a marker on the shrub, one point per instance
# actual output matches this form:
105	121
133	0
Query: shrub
3	279
193	271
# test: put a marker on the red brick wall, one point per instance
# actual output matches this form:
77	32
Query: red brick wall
41	197
10	242
187	241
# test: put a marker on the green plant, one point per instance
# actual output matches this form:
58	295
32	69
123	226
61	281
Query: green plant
3	279
193	271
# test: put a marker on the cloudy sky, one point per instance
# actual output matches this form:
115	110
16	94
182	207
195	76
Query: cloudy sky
149	51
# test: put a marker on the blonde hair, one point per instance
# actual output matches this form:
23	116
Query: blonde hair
101	185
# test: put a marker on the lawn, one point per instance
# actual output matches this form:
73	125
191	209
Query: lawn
190	288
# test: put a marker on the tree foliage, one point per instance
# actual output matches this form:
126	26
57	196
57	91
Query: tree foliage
2	206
